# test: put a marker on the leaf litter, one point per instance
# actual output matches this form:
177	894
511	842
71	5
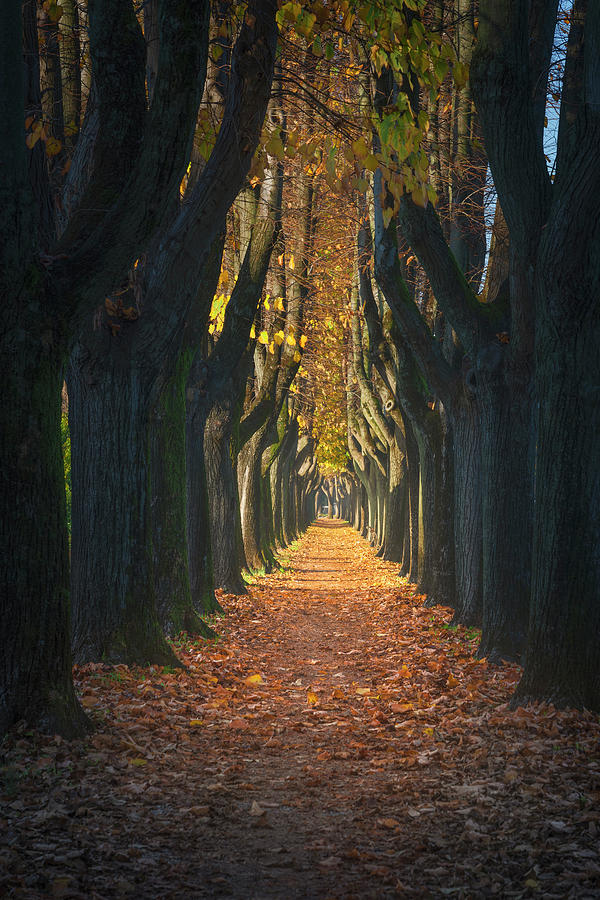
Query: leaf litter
339	741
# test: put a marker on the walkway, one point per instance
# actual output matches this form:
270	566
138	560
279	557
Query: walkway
340	741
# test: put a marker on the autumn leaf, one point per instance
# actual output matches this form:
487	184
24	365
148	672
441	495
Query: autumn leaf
53	146
311	698
254	679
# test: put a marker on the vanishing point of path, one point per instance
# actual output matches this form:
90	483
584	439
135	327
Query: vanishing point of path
339	741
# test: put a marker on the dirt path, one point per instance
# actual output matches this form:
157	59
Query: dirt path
340	741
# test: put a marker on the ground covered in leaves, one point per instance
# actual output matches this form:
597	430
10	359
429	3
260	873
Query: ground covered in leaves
338	741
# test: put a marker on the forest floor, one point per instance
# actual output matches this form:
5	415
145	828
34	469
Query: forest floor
338	741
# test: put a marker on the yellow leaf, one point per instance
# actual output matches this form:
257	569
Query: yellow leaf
279	304
254	679
371	163
419	197
432	194
460	74
53	146
360	148
272	347
311	698
263	338
196	722
138	761
278	337
291	340
387	214
54	12
297	356
292	263
267	304
274	145
253	332
363	691
303	341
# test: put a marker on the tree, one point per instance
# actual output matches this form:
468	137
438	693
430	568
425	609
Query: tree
555	272
50	287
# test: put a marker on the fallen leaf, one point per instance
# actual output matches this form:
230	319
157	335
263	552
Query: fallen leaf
330	862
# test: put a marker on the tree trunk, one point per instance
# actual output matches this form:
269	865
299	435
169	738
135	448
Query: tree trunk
168	509
267	533
444	588
276	488
507	472
112	578
562	661
286	496
414	481
467	514
198	515
225	532
395	507
35	672
70	65
364	506
249	481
